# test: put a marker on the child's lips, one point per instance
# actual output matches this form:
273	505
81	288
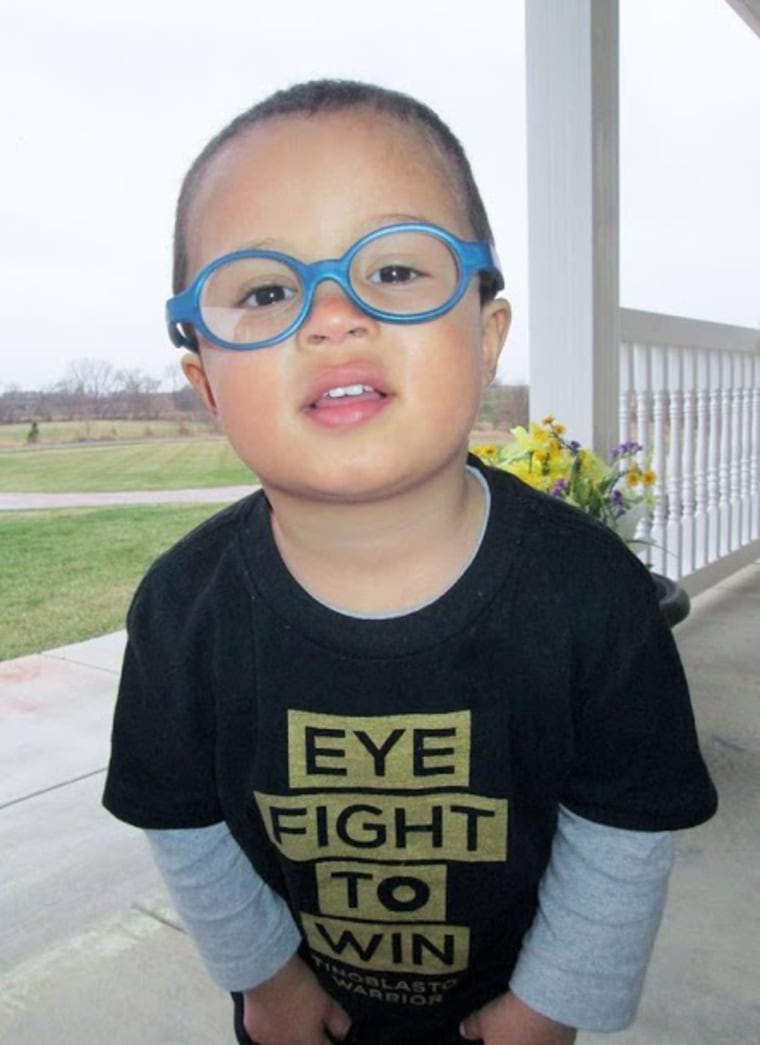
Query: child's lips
346	397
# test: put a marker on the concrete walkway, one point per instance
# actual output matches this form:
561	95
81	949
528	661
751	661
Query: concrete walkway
91	953
14	502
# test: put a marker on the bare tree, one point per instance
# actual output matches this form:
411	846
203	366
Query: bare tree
89	383
136	393
12	402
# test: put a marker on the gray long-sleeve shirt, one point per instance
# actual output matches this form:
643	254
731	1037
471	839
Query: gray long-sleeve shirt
582	962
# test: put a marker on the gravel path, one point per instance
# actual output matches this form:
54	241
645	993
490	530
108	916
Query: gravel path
206	495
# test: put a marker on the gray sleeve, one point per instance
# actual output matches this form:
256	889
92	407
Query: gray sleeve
242	930
601	899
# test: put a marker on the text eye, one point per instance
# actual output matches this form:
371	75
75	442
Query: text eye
270	294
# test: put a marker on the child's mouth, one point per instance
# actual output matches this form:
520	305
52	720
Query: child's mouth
347	405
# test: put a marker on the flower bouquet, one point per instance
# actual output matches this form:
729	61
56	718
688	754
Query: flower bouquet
618	492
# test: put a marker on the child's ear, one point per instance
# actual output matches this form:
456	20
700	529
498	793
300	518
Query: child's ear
192	367
496	319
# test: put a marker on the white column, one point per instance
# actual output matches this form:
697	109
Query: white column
573	192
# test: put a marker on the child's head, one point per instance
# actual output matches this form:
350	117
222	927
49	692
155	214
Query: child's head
350	396
330	96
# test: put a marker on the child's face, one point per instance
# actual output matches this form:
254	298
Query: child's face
310	187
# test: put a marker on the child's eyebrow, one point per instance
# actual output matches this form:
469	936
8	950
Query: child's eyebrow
377	221
260	244
384	219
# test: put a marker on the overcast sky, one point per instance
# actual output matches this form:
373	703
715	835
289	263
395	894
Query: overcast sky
105	105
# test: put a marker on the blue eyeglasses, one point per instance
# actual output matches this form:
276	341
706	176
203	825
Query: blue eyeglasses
408	273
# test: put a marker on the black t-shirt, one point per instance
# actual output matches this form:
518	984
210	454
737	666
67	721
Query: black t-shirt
397	780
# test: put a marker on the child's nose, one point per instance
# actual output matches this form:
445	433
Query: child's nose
333	316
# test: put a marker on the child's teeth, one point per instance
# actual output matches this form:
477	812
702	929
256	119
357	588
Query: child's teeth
347	390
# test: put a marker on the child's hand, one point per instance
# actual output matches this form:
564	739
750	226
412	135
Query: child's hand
291	1008
508	1021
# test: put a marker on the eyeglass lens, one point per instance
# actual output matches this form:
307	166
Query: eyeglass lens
256	298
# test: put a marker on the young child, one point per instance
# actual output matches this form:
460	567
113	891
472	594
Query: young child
407	738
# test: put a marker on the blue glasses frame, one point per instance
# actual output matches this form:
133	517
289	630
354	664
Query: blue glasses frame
473	258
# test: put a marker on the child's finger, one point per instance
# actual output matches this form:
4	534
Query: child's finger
338	1022
470	1029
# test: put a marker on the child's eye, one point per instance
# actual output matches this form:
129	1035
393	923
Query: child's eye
396	274
269	294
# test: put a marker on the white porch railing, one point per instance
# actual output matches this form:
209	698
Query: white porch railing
690	394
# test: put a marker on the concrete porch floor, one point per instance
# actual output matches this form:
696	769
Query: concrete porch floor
90	952
703	984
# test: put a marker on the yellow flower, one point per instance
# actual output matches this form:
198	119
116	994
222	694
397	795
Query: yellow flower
523	470
632	478
487	452
526	442
648	478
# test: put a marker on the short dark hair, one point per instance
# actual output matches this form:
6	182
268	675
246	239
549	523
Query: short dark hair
318	96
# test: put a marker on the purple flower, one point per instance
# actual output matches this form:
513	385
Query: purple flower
560	488
626	450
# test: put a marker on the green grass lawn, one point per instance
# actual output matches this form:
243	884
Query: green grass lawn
54	432
68	575
165	464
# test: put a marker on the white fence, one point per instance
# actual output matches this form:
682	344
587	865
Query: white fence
690	394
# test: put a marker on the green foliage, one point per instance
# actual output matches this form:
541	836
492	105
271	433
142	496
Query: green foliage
69	575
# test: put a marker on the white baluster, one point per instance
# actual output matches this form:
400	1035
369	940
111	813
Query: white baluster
626	393
745	411
689	504
659	459
703	428
713	461
724	472
735	463
754	456
642	383
675	425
